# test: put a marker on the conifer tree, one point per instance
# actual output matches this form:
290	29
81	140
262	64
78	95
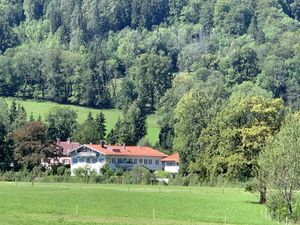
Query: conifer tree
101	127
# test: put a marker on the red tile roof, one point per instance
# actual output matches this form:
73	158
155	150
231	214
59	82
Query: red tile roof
127	151
172	158
68	146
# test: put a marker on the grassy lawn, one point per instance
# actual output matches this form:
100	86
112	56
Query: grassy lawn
43	203
42	108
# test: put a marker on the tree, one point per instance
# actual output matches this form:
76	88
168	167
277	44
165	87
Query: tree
100	126
234	139
61	123
131	128
180	86
280	159
8	38
87	132
192	114
30	145
112	137
243	66
33	9
152	76
233	17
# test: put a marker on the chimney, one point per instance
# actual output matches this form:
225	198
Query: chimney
124	146
58	141
69	140
102	143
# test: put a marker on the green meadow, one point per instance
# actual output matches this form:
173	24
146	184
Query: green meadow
41	109
22	203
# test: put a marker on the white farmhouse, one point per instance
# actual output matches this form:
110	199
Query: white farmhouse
125	157
171	163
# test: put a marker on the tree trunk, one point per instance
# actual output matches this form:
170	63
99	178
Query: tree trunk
290	208
263	194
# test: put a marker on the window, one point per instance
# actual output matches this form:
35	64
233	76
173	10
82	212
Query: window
113	160
88	160
156	162
81	159
100	160
129	160
140	161
135	161
94	160
124	160
146	161
119	160
150	161
74	160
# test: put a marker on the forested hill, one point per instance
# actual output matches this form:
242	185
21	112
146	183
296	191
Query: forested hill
109	53
219	73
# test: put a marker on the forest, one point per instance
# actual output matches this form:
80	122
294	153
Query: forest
223	76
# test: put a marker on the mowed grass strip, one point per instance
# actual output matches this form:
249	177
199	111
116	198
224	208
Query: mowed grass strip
22	203
38	108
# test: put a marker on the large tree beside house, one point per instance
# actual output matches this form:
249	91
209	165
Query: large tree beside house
231	144
31	145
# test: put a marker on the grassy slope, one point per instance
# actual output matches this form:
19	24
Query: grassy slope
22	203
41	108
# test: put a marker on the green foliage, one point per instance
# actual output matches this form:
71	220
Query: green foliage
139	175
31	145
234	139
61	123
91	130
131	129
192	115
61	170
106	171
280	161
277	207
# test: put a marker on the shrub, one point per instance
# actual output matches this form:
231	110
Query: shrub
277	206
139	175
162	174
61	170
252	186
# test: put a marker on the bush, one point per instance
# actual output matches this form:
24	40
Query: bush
162	174
277	206
8	176
179	181
139	175
60	170
252	186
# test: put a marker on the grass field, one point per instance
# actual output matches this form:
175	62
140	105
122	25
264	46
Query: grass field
89	204
42	108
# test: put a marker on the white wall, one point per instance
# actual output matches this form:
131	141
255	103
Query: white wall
114	163
96	166
171	169
93	166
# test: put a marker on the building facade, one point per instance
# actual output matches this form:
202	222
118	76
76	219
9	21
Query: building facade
64	159
124	157
171	163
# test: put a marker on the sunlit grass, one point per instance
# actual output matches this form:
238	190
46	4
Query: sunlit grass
22	203
42	108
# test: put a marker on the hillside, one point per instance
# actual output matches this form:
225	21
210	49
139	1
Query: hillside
220	75
42	108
